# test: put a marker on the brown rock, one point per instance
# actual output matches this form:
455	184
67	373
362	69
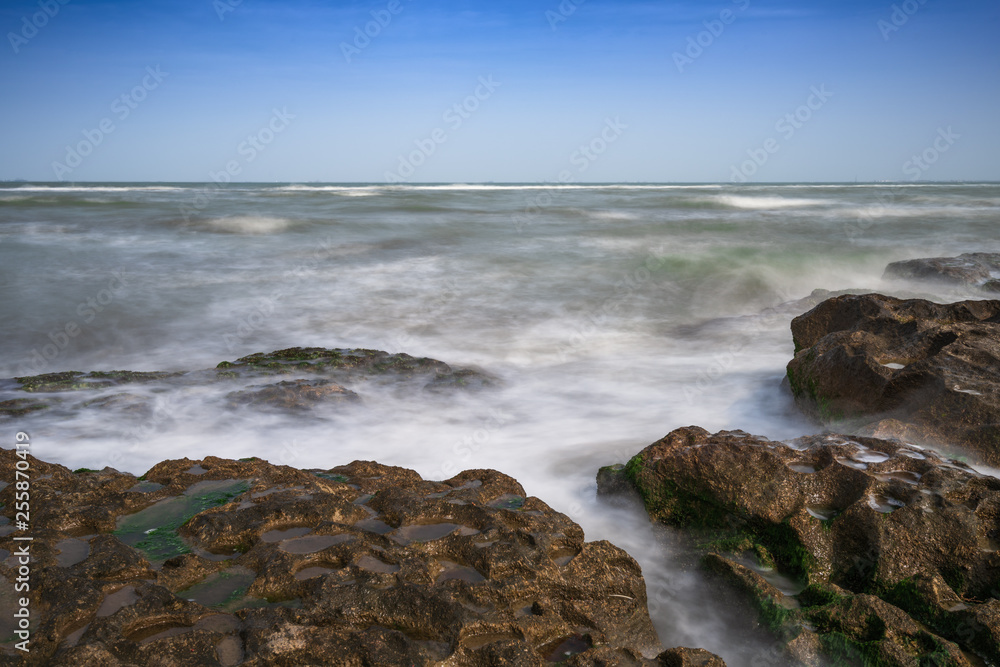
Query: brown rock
977	269
877	364
690	657
875	528
243	562
294	394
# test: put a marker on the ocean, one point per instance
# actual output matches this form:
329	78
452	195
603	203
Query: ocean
610	314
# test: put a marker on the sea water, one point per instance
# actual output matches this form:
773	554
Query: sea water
610	315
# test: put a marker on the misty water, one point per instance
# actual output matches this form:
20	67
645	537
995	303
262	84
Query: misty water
610	315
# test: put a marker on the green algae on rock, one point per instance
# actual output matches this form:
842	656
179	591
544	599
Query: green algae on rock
285	566
303	379
926	372
78	381
854	520
293	394
19	407
154	530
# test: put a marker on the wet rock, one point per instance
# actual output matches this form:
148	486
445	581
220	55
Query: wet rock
977	269
77	381
871	529
690	657
303	378
925	371
347	364
123	403
242	562
19	407
294	394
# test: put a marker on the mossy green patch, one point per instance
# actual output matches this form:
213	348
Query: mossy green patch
804	386
668	502
77	381
154	529
19	407
842	651
955	578
51	382
509	502
773	616
815	595
334	477
80	471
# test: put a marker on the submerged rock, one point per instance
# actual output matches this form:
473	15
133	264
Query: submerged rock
242	562
77	381
346	364
932	369
881	537
977	269
311	377
294	394
19	407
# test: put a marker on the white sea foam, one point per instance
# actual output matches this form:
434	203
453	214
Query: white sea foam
342	190
616	315
56	189
765	202
248	224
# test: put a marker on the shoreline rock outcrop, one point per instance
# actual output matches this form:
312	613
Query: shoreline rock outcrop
976	269
894	551
221	562
922	371
294	379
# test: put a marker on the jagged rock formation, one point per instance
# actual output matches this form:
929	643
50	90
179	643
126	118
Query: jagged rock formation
309	377
894	550
914	369
976	269
220	562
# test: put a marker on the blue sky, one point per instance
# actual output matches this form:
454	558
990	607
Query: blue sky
575	91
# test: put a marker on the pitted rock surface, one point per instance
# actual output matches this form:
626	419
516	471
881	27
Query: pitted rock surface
976	269
870	528
220	562
291	380
913	369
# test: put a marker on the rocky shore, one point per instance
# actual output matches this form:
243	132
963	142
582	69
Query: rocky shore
919	370
887	553
873	543
292	379
220	562
979	270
